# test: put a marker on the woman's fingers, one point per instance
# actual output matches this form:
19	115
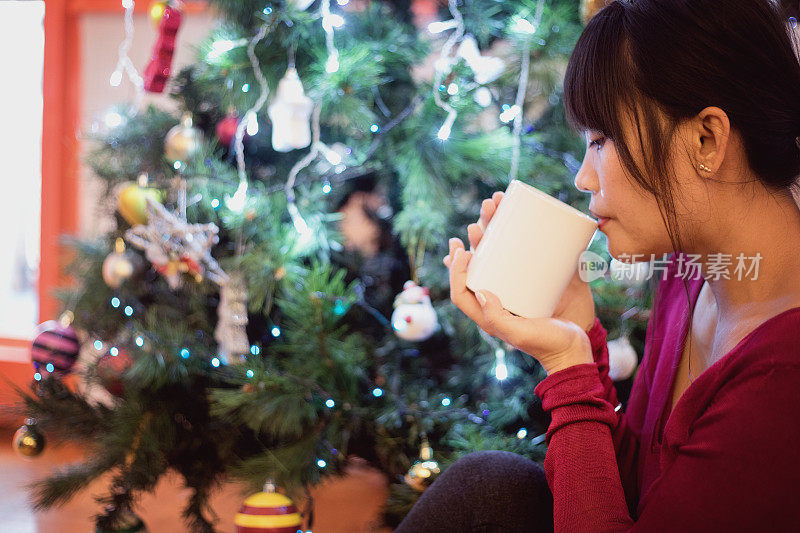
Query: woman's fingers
474	233
488	208
459	293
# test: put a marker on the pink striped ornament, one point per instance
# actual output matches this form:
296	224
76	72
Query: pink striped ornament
57	344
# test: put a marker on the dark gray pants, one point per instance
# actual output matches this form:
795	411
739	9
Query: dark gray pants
485	492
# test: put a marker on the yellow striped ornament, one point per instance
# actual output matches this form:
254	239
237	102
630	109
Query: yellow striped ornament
268	512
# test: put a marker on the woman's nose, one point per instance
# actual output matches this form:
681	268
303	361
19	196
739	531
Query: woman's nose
586	178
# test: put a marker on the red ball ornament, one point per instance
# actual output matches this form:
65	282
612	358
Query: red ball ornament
268	512
55	348
226	129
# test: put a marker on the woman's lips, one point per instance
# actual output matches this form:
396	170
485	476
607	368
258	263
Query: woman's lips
601	221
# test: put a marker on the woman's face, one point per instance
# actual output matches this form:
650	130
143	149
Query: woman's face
634	224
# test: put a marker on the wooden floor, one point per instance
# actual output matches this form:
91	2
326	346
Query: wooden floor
347	505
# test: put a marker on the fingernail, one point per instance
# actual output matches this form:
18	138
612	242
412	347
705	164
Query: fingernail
481	298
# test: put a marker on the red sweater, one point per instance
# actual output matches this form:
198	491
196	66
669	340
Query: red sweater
727	458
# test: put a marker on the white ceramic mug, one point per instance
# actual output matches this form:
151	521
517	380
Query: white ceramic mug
530	250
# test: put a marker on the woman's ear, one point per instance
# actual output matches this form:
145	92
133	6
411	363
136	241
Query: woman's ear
710	137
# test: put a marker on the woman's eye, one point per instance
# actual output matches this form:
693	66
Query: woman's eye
598	142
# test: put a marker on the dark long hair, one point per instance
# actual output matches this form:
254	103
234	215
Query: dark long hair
664	61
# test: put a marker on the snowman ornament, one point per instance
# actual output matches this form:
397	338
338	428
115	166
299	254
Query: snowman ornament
414	318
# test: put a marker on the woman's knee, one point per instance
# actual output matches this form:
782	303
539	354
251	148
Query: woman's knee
504	489
496	467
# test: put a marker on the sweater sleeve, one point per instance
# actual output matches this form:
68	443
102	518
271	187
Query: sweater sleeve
735	470
626	441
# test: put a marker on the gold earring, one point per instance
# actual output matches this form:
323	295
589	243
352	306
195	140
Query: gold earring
703	167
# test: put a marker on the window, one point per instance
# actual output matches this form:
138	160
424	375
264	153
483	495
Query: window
21	62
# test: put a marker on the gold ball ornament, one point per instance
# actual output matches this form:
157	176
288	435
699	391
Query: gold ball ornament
589	8
156	12
27	441
268	512
424	471
132	203
183	141
118	266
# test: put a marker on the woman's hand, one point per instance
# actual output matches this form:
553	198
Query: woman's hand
558	342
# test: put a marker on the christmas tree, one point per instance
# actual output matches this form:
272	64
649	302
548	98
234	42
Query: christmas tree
273	299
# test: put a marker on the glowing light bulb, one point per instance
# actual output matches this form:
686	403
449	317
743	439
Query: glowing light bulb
510	114
116	78
220	47
112	119
332	20
444	132
252	123
440	26
237	201
332	65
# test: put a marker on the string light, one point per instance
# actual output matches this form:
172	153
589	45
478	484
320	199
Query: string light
124	64
321	463
98	345
500	369
528	29
445	401
458	24
112	119
50	367
37	376
377	392
510	113
237	202
185	353
250	373
215	362
276	331
115	302
444	131
522	433
255	350
252	124
439	26
239	199
223	46
330	403
114	351
128	310
139	341
328	23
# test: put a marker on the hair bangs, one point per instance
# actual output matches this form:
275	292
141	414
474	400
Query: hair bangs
600	75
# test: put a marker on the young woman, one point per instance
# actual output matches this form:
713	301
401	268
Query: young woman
691	114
